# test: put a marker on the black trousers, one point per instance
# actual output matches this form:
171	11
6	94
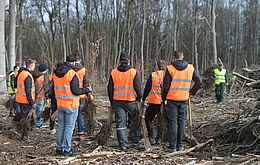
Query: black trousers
151	111
25	122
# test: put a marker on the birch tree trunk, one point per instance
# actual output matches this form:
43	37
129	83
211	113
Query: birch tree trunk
214	38
2	47
11	41
142	42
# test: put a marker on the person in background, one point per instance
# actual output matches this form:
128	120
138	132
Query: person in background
40	88
221	79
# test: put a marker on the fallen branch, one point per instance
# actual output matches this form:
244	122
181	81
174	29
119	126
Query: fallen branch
243	77
197	147
250	70
253	83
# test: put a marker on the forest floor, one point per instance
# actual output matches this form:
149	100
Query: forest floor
208	116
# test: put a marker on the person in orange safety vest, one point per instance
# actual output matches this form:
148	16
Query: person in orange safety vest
177	90
25	96
66	91
124	89
152	90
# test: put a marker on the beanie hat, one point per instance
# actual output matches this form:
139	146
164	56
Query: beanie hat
124	56
42	67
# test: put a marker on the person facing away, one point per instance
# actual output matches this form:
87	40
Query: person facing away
221	79
124	89
25	96
40	88
176	90
67	91
152	90
83	82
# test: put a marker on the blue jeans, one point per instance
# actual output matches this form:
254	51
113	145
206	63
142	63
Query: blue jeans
80	118
39	113
176	113
66	123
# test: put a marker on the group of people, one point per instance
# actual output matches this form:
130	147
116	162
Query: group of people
170	85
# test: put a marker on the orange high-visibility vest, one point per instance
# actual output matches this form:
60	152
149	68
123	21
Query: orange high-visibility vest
124	85
63	94
20	94
81	74
154	96
39	85
181	83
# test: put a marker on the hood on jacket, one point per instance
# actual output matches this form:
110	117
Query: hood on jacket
180	64
63	69
77	67
123	67
37	74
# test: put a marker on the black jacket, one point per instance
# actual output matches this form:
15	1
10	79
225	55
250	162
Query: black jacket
74	84
180	65
137	84
37	74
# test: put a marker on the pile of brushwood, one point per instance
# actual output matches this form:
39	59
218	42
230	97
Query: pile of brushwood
235	123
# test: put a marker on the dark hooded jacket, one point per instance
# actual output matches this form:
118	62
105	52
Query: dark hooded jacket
137	84
74	84
180	65
37	74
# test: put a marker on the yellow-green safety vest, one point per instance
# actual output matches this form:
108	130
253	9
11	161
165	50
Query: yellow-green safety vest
220	76
9	85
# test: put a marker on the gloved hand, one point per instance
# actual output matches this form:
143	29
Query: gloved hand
89	89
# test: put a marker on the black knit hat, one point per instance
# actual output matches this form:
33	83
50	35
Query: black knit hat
70	58
77	57
124	56
42	67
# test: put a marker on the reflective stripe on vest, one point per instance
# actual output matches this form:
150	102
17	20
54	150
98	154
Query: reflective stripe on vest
154	96
181	83
220	76
81	74
21	95
39	85
63	94
124	85
9	84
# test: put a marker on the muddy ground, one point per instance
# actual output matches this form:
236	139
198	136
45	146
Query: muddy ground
205	112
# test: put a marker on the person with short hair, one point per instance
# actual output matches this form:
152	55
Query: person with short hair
66	91
176	91
25	96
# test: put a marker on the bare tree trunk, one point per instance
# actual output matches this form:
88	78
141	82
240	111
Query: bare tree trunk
213	26
12	27
176	22
195	35
142	42
2	47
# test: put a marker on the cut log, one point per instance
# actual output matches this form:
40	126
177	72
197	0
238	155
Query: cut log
251	84
243	77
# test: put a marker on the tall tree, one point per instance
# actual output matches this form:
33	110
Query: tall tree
213	30
2	47
12	29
